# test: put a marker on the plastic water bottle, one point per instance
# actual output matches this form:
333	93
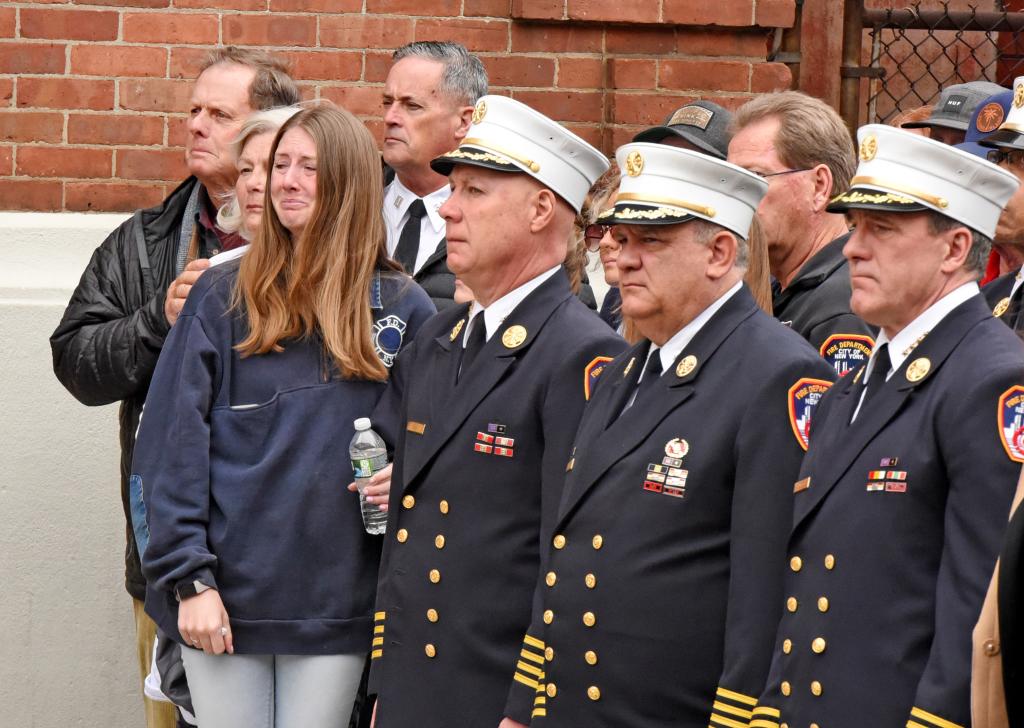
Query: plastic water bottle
369	455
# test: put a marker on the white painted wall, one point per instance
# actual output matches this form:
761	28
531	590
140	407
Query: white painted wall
67	654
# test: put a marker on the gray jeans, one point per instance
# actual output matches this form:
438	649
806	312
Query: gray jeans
272	691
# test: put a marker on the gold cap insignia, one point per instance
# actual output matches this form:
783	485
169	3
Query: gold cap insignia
918	369
687	365
480	111
513	336
634	164
1001	307
456	330
1018	96
868	148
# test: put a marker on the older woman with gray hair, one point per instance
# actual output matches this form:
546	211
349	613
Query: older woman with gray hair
243	209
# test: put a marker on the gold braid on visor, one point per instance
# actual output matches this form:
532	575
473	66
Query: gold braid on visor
656	200
528	163
903	189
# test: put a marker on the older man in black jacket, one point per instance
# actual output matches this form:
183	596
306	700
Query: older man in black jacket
107	344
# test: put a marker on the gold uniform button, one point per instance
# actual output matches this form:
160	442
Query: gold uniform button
822	604
402	535
429	650
549	654
787	646
435	576
551	578
818	645
783	725
439	541
551	690
549	616
443	505
812	725
431	615
785	688
559	541
591	657
791	604
593	692
815	688
589	619
598	541
796	563
408	501
991	648
830	562
590	580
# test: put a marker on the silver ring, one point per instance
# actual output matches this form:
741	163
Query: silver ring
223	631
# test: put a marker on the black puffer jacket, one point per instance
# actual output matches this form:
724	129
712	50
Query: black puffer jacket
107	344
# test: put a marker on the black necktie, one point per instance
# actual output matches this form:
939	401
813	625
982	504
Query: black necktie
878	374
652	373
409	241
475	342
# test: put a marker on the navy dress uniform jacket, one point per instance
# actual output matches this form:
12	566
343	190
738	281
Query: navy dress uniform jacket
660	599
897	522
478	473
816	305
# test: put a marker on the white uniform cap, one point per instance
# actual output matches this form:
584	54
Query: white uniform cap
664	185
903	172
1010	134
509	136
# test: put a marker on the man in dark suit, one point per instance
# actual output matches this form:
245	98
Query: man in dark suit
660	597
490	395
428	101
903	496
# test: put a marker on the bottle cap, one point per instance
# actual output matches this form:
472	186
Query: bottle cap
363	423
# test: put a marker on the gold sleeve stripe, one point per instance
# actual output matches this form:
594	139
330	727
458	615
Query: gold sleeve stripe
763	723
378	629
732	710
533	642
767	710
915	724
525	681
378	642
737	697
375	654
378	616
539	713
719	721
934	719
529	669
539	659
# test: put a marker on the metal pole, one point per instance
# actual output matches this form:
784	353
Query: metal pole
849	92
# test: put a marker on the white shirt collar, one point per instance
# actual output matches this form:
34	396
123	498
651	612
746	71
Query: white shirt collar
499	310
1017	281
672	348
398	198
901	345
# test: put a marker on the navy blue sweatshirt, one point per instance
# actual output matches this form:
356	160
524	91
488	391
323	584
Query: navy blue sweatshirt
243	465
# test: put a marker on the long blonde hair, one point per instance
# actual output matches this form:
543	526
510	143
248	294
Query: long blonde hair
319	283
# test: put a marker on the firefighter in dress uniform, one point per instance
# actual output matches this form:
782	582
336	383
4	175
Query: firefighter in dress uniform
903	496
490	395
660	598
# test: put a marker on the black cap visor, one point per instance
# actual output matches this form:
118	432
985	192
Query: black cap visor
945	123
1003	139
657	134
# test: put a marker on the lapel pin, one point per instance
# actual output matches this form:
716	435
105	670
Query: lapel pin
687	365
456	330
802	485
513	336
918	369
1001	307
677	448
629	366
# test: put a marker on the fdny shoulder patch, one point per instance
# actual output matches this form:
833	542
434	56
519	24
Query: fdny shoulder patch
846	352
387	338
802	398
592	372
1011	422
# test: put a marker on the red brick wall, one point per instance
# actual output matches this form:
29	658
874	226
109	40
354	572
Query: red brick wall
92	93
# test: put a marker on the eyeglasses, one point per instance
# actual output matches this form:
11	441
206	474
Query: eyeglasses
593	234
1011	158
766	175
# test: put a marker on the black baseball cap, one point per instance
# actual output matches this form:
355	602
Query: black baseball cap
703	124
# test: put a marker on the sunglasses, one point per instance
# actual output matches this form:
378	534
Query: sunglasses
1011	158
593	234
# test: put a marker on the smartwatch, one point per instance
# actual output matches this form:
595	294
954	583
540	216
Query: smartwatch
190	589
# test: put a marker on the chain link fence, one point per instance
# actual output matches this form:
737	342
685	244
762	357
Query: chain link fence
909	54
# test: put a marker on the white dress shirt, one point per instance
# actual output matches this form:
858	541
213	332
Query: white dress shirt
397	199
903	343
498	311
